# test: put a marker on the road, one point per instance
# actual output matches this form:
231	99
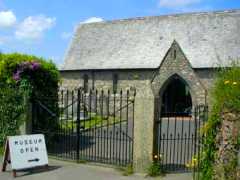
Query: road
60	170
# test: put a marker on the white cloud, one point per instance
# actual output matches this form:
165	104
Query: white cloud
33	27
7	19
197	9
66	35
92	20
177	3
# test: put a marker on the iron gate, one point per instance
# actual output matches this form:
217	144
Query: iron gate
87	126
178	141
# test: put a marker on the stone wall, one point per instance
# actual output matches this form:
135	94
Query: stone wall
176	64
148	84
206	76
144	117
225	166
104	79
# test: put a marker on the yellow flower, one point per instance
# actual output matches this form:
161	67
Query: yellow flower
234	83
188	165
194	160
226	82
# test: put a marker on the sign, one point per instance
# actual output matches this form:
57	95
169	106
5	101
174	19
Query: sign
26	151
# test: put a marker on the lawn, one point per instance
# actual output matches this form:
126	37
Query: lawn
95	121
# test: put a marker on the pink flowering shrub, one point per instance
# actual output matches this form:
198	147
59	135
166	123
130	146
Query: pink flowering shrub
29	72
25	68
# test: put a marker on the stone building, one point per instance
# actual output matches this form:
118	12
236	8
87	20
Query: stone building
172	58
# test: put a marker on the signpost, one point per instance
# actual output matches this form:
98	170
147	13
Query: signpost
23	152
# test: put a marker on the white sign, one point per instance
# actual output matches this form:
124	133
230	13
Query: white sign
27	151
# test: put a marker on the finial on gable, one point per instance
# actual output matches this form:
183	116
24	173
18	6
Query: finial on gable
174	42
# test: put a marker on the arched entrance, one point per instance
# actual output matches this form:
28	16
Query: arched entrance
176	125
176	97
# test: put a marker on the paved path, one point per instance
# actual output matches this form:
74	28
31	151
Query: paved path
60	170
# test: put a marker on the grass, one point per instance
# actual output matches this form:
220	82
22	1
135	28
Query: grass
1	151
81	161
126	171
95	121
155	170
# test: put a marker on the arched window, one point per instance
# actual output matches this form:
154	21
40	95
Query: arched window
115	82
85	82
175	54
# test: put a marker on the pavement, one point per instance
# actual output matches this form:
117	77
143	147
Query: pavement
62	170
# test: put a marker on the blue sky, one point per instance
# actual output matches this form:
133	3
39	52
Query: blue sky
44	27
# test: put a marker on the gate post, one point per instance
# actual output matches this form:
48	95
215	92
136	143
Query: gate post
157	117
143	130
26	127
78	123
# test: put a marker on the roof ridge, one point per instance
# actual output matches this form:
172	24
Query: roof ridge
226	11
206	38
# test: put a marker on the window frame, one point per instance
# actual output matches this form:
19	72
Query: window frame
85	82
115	82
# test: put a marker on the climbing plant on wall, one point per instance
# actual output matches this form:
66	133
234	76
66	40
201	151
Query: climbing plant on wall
225	100
23	77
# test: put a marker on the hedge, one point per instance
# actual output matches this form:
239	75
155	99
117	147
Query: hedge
23	76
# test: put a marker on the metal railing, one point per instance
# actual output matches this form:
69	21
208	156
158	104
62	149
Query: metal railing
94	126
178	140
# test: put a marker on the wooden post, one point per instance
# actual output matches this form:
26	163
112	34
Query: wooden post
5	157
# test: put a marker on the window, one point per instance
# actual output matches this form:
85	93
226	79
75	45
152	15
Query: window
93	80
115	82
175	54
85	83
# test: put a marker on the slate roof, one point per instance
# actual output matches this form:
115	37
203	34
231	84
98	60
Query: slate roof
207	39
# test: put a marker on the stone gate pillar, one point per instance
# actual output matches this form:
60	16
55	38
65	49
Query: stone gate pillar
26	127
143	130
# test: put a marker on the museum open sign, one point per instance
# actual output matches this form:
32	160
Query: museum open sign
26	151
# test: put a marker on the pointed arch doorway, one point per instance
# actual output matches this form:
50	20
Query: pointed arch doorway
175	97
176	125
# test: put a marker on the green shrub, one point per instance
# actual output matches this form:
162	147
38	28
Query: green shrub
225	95
24	77
11	109
154	169
126	171
45	75
1	151
226	90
